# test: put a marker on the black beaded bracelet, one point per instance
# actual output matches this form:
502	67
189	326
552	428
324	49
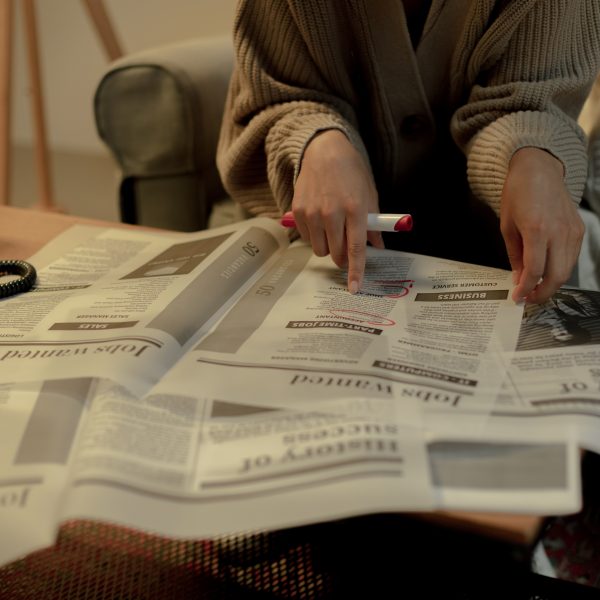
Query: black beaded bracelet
24	270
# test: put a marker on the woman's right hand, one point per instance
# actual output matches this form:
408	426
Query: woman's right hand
333	194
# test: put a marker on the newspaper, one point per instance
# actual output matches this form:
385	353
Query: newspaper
223	381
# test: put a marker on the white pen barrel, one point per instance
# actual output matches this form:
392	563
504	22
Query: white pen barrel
383	222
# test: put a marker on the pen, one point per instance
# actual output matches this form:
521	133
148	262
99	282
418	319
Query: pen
375	221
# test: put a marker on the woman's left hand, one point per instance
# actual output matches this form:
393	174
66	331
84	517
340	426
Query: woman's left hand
540	224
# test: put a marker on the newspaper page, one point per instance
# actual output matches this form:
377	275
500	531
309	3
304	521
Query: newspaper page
195	384
555	369
268	382
126	303
236	467
430	329
551	394
418	319
554	373
109	304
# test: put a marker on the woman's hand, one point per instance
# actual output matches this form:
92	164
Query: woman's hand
334	192
540	225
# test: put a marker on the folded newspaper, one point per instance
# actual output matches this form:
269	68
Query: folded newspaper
201	384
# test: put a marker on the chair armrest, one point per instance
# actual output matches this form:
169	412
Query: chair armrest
159	112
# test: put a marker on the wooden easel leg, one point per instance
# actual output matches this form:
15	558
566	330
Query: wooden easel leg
104	28
5	97
41	146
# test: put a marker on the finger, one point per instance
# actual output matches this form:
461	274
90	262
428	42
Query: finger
560	261
301	224
375	239
514	250
555	274
356	241
318	241
317	234
336	239
534	264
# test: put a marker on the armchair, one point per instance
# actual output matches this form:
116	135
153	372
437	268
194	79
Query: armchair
159	112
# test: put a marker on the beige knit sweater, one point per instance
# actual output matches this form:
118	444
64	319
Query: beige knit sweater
497	78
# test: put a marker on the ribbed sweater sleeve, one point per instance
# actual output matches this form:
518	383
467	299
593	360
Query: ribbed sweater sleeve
278	100
532	93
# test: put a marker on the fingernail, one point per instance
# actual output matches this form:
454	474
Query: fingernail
353	287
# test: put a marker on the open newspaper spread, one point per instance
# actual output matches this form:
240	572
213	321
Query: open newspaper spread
207	383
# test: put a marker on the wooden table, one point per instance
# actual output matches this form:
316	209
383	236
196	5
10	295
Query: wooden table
24	231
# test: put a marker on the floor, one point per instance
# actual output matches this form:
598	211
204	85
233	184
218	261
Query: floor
83	184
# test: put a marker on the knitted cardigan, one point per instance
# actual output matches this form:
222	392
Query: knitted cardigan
496	75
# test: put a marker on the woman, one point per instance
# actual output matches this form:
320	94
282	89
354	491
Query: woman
462	112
